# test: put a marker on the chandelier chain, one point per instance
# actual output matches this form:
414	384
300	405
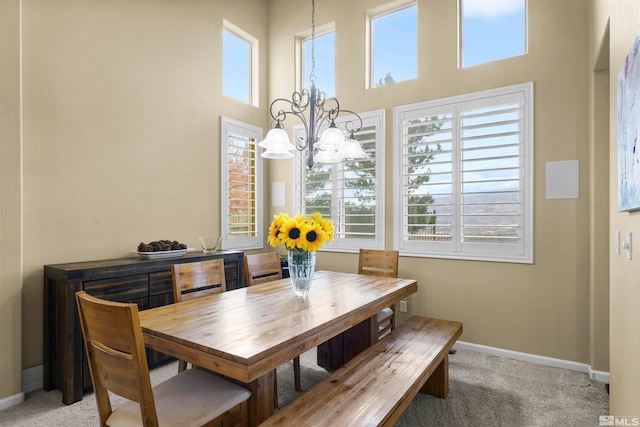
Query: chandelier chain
312	76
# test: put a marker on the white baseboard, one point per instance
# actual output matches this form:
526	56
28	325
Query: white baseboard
32	378
533	358
10	401
601	376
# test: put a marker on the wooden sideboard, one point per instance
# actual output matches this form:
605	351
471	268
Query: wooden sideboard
146	282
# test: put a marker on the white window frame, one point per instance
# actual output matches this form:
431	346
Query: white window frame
342	244
229	127
253	61
379	13
522	252
461	37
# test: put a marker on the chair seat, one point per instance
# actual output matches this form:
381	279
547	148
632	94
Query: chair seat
191	398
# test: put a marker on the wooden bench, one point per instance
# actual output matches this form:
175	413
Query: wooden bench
375	387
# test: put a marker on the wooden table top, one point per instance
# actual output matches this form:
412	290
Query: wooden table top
248	332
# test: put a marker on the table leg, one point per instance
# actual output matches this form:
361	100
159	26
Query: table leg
262	398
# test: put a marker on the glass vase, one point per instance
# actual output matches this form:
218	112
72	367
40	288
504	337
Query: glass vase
302	265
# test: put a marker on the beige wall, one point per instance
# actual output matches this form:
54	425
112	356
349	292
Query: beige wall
122	101
541	308
623	17
10	201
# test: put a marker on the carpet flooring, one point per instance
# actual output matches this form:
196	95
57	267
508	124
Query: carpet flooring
484	390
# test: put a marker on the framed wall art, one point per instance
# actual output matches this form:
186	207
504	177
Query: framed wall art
628	85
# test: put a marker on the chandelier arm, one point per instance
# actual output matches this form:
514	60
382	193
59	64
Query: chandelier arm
300	101
323	120
349	123
279	115
301	141
296	107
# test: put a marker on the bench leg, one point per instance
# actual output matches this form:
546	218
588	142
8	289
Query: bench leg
438	383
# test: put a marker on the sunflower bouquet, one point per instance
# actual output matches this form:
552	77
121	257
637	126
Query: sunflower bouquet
300	233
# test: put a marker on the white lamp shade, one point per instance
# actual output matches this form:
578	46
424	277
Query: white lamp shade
277	141
270	154
328	156
332	138
353	150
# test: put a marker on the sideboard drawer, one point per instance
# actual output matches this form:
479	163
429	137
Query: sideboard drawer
160	283
122	289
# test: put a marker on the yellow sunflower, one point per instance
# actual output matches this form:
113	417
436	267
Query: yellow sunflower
300	218
274	229
291	235
314	236
326	224
307	233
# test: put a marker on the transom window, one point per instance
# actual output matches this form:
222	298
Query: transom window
465	168
241	171
491	30
240	53
394	45
349	192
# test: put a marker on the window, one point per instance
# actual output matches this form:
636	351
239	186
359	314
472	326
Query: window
464	167
349	192
241	201
240	53
325	62
394	46
492	30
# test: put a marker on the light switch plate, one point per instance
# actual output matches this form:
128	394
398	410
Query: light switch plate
403	306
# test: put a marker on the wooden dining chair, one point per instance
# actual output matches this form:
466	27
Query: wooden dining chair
118	364
197	279
263	268
384	263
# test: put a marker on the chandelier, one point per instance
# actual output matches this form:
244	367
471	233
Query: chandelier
332	146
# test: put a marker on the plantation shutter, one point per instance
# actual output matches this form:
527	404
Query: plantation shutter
428	177
241	201
491	163
465	164
349	192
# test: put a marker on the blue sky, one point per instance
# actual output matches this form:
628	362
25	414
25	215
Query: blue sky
235	66
492	30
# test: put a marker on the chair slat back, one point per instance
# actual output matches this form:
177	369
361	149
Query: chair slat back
197	279
374	262
262	268
116	354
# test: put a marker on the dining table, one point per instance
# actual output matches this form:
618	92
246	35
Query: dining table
245	334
